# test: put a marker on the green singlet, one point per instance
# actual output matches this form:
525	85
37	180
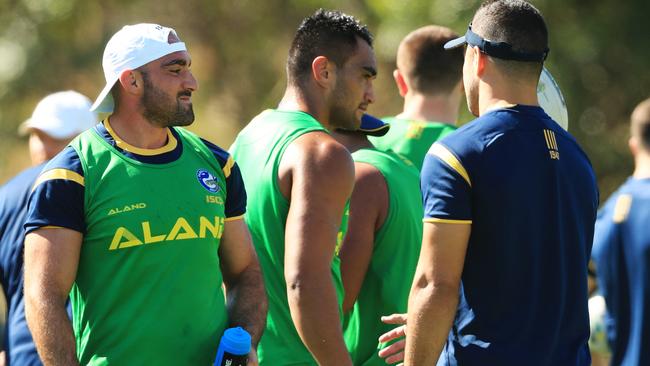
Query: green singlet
387	283
258	151
148	289
411	139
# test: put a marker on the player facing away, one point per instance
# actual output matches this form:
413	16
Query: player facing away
382	244
299	179
141	222
429	79
621	247
510	202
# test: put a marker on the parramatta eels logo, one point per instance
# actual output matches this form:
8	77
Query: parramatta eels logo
207	180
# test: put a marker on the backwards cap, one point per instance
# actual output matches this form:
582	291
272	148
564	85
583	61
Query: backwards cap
129	48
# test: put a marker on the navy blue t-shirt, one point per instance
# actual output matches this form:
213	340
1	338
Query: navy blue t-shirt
18	343
622	256
530	195
65	208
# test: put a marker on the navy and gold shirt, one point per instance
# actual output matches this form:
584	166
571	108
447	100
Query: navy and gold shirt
64	175
530	195
622	256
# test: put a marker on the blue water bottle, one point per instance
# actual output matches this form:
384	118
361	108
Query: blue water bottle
233	348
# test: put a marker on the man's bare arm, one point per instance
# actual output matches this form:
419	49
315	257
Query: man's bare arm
51	260
368	208
434	294
246	297
322	175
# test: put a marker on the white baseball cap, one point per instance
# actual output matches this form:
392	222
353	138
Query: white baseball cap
129	48
61	115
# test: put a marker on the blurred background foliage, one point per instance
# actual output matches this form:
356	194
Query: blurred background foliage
599	56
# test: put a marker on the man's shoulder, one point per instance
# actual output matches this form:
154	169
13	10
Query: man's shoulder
67	159
222	156
318	147
617	208
20	182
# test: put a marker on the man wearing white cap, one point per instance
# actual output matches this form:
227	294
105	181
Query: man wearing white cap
140	221
55	121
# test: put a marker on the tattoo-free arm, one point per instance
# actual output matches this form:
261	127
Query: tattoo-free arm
434	293
322	175
245	294
51	260
368	208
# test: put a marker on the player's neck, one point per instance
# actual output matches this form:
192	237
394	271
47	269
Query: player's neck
438	108
137	131
295	99
642	166
503	93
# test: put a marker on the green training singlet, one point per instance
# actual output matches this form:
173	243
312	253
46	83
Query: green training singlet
411	139
148	287
387	283
258	150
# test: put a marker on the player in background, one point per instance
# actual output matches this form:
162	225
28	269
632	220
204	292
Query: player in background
299	179
510	202
382	244
57	119
140	221
620	254
429	80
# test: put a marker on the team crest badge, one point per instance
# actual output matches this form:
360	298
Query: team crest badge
207	180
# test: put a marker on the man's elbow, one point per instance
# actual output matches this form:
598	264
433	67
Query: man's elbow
438	289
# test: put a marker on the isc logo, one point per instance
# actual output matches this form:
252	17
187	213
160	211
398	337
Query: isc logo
551	143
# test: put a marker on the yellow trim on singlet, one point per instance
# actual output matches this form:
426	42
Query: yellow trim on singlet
446	221
450	159
169	146
229	164
59	173
234	218
51	227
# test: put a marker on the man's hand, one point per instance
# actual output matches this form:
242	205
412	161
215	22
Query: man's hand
395	352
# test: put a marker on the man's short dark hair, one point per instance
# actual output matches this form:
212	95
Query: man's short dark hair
517	23
328	33
430	68
640	124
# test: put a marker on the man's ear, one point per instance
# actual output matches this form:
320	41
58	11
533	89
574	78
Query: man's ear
131	81
480	61
402	87
633	144
323	71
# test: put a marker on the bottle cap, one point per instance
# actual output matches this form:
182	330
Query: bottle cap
236	341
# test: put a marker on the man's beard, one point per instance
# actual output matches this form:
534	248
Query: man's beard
341	115
163	112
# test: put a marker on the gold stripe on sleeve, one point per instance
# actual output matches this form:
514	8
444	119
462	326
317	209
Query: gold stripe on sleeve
446	221
445	155
59	173
234	218
622	208
228	166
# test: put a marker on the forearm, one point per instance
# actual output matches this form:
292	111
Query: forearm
430	316
314	310
247	302
51	329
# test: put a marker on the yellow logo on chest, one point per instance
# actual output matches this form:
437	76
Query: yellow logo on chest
127	208
181	230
